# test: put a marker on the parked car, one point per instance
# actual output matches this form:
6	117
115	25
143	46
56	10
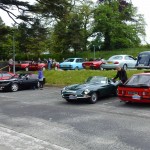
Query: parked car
23	81
33	66
94	64
143	60
72	64
124	61
22	65
136	89
4	75
94	88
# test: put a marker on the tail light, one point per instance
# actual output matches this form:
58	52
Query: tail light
116	62
145	94
120	92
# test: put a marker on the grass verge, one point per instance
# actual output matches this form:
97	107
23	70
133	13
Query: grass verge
63	78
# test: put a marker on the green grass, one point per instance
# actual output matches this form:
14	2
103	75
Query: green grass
106	54
62	78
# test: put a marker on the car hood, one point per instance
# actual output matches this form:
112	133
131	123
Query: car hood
80	87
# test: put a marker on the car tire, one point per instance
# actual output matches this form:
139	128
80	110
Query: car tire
14	87
115	93
76	68
101	68
93	98
43	68
26	69
38	85
125	67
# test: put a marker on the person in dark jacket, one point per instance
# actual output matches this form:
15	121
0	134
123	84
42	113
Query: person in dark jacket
121	74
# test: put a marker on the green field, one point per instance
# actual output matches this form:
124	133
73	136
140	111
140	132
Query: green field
62	78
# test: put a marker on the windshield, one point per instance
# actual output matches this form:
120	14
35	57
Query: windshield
69	60
102	80
139	79
117	57
143	59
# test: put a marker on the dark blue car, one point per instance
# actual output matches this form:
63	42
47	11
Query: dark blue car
143	60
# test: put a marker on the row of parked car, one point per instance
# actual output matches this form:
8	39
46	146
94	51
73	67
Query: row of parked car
136	89
125	61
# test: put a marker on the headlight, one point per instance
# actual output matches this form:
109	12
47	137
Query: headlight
63	89
86	91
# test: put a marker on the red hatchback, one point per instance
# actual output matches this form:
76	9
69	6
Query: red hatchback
95	64
5	75
136	89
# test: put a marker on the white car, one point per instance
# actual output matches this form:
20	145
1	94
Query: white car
124	61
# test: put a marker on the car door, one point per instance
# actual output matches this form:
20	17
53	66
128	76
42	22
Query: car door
79	62
106	89
130	61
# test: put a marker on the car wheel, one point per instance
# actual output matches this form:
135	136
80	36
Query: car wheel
125	67
26	69
115	93
38	85
43	68
14	87
93	98
76	68
101	68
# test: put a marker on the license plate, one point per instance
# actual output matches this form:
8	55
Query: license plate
132	93
136	97
72	97
109	62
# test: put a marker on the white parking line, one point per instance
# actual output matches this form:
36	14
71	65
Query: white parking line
14	140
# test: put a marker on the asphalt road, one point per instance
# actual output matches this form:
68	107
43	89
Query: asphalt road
42	120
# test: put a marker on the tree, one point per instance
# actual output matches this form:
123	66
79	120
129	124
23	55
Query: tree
119	25
5	40
32	39
73	30
23	8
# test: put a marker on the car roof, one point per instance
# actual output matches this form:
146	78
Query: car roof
144	73
121	55
145	52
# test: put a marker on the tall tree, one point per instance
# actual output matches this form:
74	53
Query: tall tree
5	40
119	24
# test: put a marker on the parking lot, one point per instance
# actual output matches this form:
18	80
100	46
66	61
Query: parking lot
42	120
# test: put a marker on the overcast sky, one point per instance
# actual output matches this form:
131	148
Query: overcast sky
142	6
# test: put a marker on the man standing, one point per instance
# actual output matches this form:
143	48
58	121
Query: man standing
121	74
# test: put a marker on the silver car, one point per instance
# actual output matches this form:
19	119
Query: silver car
124	61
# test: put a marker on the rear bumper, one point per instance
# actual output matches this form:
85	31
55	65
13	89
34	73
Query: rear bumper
129	99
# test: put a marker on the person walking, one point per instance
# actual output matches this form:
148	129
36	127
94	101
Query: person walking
10	64
41	78
121	74
49	63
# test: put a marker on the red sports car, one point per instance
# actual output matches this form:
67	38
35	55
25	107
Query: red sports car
23	65
95	64
136	89
36	66
6	75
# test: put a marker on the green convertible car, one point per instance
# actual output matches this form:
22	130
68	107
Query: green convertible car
94	88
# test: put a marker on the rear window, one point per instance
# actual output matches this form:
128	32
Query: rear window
139	79
143	58
116	58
